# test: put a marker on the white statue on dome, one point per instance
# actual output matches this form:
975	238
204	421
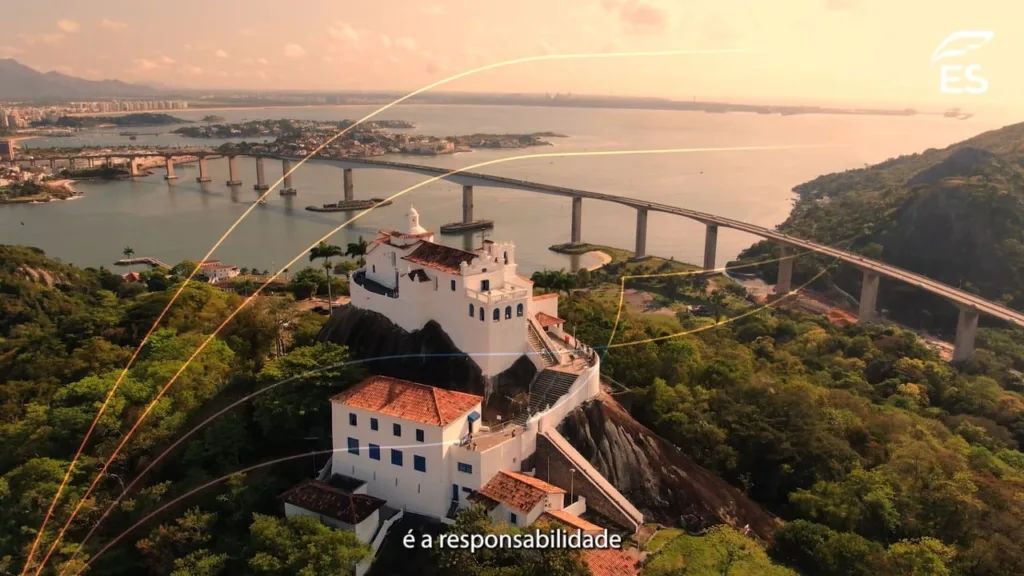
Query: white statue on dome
414	221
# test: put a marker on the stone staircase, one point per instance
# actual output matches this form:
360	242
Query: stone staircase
547	387
538	347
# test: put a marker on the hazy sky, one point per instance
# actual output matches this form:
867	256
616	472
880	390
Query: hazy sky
808	50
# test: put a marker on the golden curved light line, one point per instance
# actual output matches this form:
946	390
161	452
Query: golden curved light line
120	378
731	319
622	282
430	180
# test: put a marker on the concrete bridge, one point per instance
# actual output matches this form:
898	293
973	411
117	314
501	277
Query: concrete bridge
970	306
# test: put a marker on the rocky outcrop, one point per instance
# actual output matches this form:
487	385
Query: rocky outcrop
427	356
656	477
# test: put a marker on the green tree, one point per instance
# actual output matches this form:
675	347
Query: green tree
301	546
923	557
720	551
357	251
326	252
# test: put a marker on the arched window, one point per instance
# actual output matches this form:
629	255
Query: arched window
470	310
374	268
508	312
506	257
481	313
519	310
497	314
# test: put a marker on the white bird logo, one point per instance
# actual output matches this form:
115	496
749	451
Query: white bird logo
979	36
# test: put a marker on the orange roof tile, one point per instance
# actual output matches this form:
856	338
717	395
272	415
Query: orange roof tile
408	400
546	320
546	296
563	517
518	491
610	562
440	257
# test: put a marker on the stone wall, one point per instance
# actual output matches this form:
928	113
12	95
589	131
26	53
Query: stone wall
554	467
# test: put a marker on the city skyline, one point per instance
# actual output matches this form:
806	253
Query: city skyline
815	50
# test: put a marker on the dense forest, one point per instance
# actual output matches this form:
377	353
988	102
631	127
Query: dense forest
955	215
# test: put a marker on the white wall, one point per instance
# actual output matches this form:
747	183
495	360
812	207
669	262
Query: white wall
586	386
402	486
364	530
547	305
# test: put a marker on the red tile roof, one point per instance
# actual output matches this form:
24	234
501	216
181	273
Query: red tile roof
563	517
440	257
546	296
518	491
546	320
336	503
610	562
408	400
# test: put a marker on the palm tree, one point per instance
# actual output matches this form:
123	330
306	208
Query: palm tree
357	250
326	252
128	253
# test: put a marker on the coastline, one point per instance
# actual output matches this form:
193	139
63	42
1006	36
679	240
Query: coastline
603	257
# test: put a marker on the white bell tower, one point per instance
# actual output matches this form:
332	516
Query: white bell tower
414	221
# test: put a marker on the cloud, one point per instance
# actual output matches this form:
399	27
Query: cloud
69	26
143	64
327	59
294	51
8	51
638	16
386	41
166	60
220	53
342	31
113	24
407	43
546	48
264	61
246	32
192	70
394	59
30	39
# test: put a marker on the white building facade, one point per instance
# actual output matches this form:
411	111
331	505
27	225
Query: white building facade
477	297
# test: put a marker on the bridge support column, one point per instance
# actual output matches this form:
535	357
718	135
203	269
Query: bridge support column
261	179
169	163
90	163
53	163
784	282
641	233
868	297
32	163
71	163
109	161
350	191
202	171
233	172
710	246
966	330
133	168
467	204
286	168
577	220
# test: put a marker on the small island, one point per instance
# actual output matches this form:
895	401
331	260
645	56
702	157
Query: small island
32	192
126	121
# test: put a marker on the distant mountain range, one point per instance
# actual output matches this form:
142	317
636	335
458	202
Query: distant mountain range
19	82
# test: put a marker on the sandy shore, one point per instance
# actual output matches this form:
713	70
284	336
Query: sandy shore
604	259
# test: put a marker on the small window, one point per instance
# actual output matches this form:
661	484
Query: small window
419	435
471	310
396	457
508	312
392	258
481	313
453	285
374	268
351	419
512	518
519	310
396	429
373	423
419	463
485	285
467	490
353	446
374	452
467	468
506	257
497	314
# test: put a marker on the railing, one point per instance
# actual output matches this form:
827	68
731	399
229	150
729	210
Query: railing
497	296
359	279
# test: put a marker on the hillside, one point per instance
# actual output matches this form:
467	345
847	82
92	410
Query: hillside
20	82
955	214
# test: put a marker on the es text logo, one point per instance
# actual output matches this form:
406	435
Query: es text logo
961	77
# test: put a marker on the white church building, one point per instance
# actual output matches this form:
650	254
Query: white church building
478	297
